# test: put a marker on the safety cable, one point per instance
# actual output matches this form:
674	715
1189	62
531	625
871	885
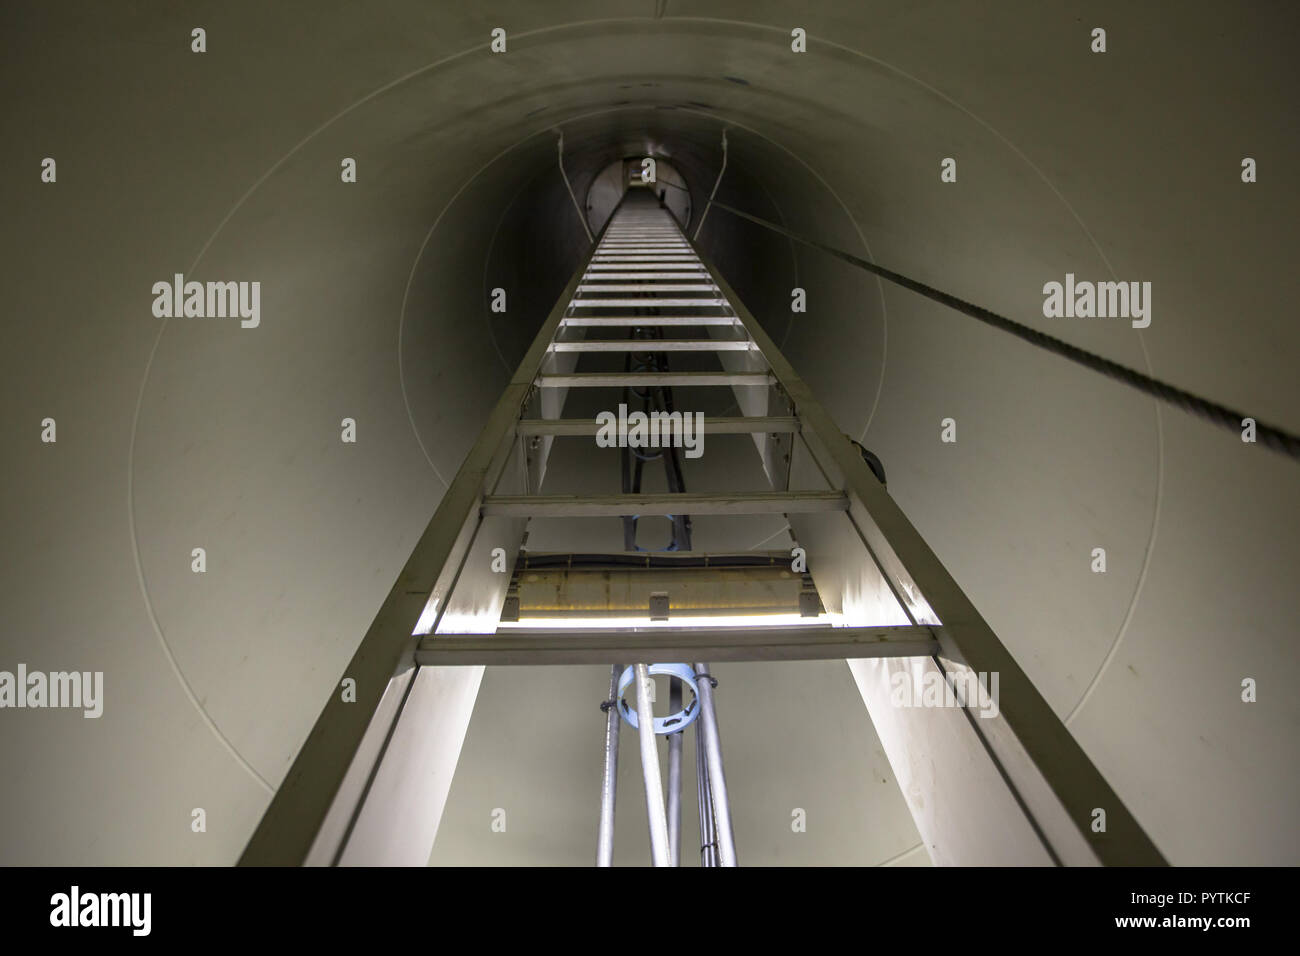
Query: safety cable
1267	435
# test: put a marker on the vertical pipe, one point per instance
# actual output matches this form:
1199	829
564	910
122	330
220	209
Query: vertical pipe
708	856
582	217
609	785
654	787
717	182
713	760
675	777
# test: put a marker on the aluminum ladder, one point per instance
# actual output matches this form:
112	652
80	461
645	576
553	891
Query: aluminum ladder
370	782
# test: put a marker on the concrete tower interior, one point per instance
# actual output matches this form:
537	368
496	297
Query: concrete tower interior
377	306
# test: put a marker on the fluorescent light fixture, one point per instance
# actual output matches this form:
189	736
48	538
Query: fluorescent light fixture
755	621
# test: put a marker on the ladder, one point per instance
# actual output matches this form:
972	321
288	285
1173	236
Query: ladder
370	782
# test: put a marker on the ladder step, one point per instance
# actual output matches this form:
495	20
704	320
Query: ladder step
686	263
610	276
655	345
635	267
644	244
613	506
629	379
646	262
648	321
647	303
714	426
660	287
550	645
666	257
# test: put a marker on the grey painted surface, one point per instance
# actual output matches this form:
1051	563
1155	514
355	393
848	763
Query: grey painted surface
1116	166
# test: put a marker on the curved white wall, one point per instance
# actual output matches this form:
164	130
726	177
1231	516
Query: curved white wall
197	433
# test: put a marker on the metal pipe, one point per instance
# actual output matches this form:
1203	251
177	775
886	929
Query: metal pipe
717	777
675	777
576	208
716	183
609	785
708	856
654	787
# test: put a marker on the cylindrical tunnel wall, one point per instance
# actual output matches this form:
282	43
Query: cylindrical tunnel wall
377	307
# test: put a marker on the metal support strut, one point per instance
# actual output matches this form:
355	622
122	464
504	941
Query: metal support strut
609	781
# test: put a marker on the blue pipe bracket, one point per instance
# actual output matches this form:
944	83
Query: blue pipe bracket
673	723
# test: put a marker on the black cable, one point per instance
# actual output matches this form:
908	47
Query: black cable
1267	435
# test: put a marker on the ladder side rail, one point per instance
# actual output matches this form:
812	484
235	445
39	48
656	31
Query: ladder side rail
312	812
397	820
1054	784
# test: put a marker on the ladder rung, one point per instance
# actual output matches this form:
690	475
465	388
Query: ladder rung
648	321
713	426
644	251
537	645
643	266
611	276
675	287
655	345
629	379
613	506
666	257
647	303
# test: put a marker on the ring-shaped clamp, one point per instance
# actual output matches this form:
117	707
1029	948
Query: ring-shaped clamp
673	723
